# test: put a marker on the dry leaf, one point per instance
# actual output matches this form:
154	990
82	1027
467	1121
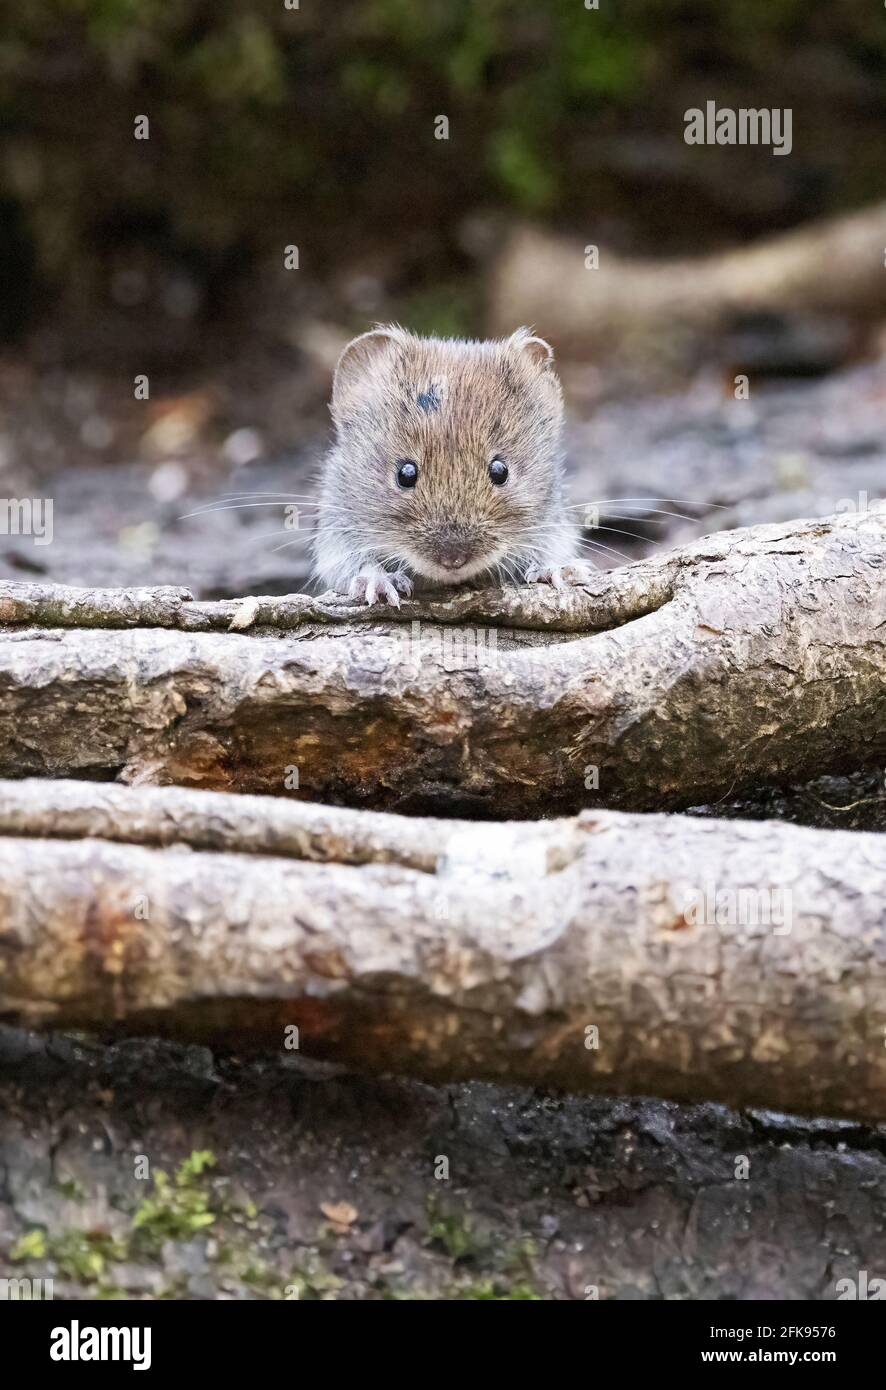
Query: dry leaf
341	1214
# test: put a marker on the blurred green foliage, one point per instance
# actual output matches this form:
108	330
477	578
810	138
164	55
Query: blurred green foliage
318	121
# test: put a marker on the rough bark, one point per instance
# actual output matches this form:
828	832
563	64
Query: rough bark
831	271
733	961
749	656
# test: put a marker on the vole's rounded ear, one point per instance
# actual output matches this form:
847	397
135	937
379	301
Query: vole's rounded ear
357	361
536	349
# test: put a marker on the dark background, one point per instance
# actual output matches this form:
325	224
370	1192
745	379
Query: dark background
315	126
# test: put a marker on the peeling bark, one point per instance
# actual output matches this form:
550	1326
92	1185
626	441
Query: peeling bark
734	961
746	657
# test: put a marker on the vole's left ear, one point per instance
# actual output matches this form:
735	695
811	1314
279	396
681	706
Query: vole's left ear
361	359
536	349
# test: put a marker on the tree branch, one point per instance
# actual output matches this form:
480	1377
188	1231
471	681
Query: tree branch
694	959
746	657
629	307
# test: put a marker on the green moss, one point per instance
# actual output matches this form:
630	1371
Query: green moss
453	1231
314	1279
194	1166
490	1290
81	1256
177	1208
30	1246
502	1272
245	1267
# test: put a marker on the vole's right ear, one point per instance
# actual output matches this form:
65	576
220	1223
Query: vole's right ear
361	357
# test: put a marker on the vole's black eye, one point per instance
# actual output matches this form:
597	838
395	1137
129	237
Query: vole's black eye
407	473
498	471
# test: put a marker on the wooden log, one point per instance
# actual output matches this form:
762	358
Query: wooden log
664	311
659	955
749	656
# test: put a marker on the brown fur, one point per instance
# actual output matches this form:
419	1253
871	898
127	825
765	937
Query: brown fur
451	407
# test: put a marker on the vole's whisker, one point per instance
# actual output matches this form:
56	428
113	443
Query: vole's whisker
596	545
285	546
677	501
213	507
647	540
646	511
234	496
269	498
509	570
549	529
286	531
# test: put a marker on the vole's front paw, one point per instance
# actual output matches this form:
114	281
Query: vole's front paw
375	585
560	576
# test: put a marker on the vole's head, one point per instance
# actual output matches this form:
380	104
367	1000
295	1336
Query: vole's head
450	450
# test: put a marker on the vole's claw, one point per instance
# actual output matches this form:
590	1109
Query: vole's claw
577	572
402	583
560	576
377	586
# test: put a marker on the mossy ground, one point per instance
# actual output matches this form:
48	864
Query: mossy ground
275	1179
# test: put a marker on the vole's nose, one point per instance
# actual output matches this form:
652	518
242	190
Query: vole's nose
453	545
453	557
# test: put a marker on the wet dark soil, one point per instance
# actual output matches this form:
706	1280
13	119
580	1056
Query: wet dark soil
331	1186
